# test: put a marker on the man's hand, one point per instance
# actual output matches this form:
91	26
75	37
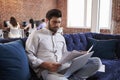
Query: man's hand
53	67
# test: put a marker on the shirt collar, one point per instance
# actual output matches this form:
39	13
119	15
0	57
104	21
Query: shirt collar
49	32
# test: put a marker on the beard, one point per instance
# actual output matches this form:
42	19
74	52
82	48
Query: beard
53	29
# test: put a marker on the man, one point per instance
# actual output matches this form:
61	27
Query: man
46	47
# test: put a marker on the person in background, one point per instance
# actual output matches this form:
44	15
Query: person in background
46	47
42	24
13	28
30	27
5	29
5	24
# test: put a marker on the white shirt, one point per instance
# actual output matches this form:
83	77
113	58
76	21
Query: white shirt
12	27
42	46
42	25
15	32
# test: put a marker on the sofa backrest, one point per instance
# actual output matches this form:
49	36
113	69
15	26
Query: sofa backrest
77	41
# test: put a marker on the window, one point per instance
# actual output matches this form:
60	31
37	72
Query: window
105	13
81	12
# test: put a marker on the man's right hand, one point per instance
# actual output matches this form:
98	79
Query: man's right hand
53	67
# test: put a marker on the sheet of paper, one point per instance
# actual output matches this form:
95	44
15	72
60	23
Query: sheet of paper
69	57
73	55
89	50
102	68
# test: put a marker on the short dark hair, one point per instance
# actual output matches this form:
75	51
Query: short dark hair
53	13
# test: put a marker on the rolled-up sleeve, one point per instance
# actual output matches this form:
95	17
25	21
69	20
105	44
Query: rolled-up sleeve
32	44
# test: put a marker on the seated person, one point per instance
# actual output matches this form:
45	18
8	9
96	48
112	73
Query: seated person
30	27
13	28
46	47
42	24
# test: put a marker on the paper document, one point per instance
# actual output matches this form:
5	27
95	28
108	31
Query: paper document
70	57
90	49
102	68
73	55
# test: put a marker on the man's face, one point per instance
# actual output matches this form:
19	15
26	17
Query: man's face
54	24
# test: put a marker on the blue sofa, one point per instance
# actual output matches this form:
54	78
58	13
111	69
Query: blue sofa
106	46
14	63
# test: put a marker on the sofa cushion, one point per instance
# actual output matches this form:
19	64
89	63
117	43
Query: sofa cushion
13	61
13	39
8	40
103	48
